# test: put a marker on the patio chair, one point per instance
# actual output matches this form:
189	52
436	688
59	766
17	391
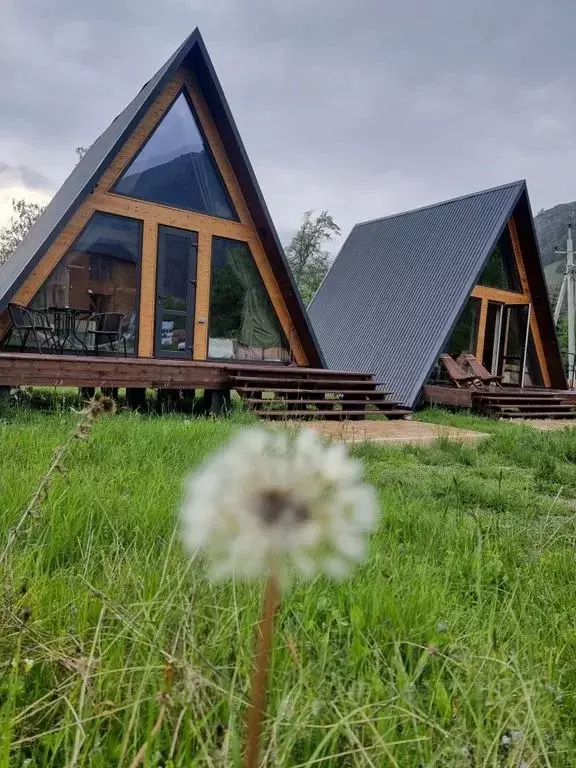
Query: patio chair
34	325
106	331
471	363
456	373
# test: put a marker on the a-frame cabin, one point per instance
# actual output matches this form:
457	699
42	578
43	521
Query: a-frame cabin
157	265
463	279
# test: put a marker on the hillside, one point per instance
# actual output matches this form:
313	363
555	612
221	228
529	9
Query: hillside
551	226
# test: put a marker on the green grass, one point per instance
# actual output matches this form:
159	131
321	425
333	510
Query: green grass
455	645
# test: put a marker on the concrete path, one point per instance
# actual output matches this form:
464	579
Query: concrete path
393	432
547	424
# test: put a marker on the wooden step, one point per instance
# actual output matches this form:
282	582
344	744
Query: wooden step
517	399
264	380
249	368
314	401
317	391
537	415
313	414
529	407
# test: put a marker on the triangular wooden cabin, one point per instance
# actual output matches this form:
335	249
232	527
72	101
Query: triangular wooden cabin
462	278
157	264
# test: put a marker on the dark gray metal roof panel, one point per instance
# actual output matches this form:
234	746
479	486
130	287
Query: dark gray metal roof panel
398	285
92	165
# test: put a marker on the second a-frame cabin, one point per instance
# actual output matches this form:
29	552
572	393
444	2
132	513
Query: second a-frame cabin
157	265
448	304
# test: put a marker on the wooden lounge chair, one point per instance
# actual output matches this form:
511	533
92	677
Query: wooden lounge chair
471	364
456	373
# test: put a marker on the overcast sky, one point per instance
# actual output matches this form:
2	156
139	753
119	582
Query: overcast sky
363	107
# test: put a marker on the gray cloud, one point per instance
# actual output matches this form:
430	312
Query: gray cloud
364	107
22	175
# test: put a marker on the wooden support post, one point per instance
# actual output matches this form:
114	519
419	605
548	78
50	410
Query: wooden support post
136	398
168	400
481	329
218	401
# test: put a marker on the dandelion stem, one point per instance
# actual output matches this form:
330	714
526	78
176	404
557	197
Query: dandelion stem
260	679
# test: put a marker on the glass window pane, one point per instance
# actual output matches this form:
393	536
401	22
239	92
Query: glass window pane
176	276
175	167
500	271
91	298
532	372
514	342
464	335
243	324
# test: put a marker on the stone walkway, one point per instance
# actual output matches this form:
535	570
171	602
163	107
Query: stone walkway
393	432
547	424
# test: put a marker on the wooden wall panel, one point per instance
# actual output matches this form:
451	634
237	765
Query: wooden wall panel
481	329
203	270
148	289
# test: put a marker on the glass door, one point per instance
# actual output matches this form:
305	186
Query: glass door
515	344
175	292
493	337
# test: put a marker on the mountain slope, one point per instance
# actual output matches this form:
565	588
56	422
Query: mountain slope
551	227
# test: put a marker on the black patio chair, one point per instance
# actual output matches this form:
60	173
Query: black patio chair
34	325
106	330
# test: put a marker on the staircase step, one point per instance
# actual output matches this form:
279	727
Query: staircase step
265	401
490	399
369	393
263	380
293	371
537	415
315	414
529	408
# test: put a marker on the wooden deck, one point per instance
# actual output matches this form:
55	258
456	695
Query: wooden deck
272	391
506	402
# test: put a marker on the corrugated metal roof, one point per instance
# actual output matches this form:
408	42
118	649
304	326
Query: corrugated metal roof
92	165
398	285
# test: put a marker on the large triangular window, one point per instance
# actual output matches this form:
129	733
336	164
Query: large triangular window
175	167
500	271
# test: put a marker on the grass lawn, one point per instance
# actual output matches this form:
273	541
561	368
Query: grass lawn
455	645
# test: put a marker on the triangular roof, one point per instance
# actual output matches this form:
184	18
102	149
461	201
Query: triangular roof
192	53
399	284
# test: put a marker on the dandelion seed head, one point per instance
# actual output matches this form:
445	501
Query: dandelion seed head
276	501
102	405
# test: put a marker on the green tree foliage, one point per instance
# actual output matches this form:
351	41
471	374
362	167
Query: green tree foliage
309	263
24	214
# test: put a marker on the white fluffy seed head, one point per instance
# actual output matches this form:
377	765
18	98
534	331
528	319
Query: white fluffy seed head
273	501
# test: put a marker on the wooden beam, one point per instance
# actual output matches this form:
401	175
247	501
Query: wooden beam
534	327
168	216
518	255
499	295
148	289
481	329
202	311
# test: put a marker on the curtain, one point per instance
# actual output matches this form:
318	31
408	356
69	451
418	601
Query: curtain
259	326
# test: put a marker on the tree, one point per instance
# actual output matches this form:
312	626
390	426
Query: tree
309	263
24	214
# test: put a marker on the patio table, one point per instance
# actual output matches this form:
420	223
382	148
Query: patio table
65	324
